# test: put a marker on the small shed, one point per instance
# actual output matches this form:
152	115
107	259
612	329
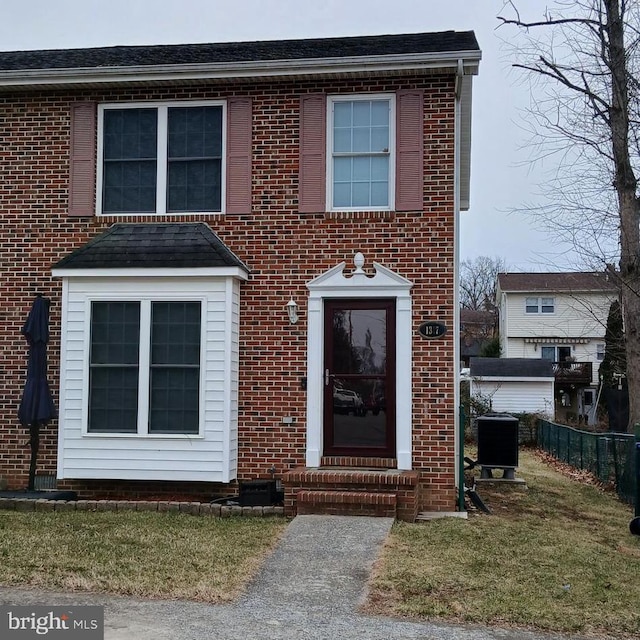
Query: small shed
513	385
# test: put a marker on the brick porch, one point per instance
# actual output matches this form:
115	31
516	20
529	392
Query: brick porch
352	486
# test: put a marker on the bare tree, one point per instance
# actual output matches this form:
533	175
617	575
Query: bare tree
478	280
582	56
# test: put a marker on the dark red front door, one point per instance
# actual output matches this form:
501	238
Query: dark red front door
359	380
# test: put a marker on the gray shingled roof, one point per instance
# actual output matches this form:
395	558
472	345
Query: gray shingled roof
511	367
237	52
148	246
555	282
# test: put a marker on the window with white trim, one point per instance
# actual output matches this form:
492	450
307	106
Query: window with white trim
600	351
144	367
540	305
160	158
361	152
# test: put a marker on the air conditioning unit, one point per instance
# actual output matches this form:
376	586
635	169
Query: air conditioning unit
498	443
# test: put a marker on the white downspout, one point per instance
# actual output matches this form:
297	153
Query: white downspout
456	263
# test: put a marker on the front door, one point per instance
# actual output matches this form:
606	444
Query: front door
359	380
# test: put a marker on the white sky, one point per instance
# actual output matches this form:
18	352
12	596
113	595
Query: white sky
500	182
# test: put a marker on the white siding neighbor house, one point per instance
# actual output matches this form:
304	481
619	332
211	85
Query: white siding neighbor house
561	318
514	385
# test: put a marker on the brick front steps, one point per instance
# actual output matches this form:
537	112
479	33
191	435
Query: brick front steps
192	508
363	503
352	491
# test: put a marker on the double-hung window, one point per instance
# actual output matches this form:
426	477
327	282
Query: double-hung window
161	158
360	170
540	305
144	367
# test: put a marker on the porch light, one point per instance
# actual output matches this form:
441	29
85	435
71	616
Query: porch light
292	311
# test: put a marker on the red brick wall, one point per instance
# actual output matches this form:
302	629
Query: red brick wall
283	248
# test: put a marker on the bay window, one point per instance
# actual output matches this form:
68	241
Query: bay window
144	369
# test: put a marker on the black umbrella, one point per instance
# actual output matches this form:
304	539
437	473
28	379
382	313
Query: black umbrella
36	406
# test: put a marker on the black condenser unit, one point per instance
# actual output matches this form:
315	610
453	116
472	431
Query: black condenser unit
498	441
260	493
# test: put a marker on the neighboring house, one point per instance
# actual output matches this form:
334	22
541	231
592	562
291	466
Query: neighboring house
513	385
559	317
238	240
477	327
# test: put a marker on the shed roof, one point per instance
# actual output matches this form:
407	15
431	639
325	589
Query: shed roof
511	367
145	246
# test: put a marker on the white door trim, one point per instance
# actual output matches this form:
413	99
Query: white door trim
335	283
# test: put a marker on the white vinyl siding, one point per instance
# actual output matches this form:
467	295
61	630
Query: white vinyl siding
210	456
575	316
524	395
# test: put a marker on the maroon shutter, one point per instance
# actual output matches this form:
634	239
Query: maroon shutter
82	170
409	150
312	188
239	121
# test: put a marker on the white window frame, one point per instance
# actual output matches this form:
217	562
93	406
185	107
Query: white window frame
540	304
144	366
600	351
331	101
161	153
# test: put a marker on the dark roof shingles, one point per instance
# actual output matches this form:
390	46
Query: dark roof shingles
147	246
555	282
511	367
237	52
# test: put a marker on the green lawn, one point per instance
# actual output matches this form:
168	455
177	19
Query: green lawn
163	555
557	557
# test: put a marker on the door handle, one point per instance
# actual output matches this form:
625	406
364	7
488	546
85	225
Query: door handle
327	376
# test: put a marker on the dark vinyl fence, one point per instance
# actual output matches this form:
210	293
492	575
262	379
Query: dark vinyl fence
610	457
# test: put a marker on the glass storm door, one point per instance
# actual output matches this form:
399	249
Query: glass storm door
359	378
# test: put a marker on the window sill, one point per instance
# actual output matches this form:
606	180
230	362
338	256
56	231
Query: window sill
360	215
145	436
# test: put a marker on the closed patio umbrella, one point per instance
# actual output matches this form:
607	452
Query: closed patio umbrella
36	406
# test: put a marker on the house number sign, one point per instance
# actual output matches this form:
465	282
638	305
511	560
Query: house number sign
431	330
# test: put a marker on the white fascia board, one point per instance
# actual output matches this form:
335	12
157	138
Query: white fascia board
209	272
251	69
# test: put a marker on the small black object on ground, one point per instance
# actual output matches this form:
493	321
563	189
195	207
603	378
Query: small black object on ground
634	526
471	492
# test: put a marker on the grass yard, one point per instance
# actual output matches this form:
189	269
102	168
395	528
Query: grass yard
557	557
158	555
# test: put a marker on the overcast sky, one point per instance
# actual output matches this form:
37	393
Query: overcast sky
500	179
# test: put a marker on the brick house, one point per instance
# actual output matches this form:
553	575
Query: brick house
239	242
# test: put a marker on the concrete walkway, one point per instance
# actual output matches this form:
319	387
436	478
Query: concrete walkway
309	589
